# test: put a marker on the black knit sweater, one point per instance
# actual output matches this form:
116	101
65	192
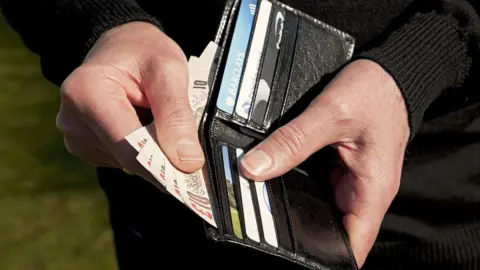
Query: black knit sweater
431	48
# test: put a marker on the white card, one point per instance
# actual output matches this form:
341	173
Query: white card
251	226
266	214
245	95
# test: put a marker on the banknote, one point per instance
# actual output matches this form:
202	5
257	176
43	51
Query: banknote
190	189
145	155
138	138
171	181
194	193
157	166
200	70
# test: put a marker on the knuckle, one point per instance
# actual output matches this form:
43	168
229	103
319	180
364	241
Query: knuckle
178	116
339	109
290	138
72	84
172	72
75	90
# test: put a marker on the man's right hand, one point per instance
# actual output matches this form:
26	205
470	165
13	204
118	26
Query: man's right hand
132	65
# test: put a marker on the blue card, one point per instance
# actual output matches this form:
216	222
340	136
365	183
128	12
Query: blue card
236	56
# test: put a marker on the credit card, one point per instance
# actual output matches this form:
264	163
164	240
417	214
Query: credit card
236	56
237	228
266	214
251	227
247	88
268	67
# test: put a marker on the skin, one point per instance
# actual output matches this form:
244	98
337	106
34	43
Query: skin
361	113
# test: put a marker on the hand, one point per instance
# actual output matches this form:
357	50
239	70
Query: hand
131	66
362	114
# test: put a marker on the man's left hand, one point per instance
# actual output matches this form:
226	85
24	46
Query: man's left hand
363	115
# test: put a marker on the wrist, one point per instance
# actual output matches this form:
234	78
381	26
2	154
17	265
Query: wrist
386	93
144	39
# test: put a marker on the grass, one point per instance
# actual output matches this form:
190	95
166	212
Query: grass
54	215
237	226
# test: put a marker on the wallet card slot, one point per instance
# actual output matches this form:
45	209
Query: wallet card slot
248	122
222	188
279	212
317	233
282	71
231	134
244	203
266	69
243	19
235	117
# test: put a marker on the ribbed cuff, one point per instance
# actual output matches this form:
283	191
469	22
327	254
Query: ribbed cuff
425	56
102	15
81	23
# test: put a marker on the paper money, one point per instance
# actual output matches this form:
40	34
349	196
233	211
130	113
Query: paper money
190	189
200	70
172	182
195	195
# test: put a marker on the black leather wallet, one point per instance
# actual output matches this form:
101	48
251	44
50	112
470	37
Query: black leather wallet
308	226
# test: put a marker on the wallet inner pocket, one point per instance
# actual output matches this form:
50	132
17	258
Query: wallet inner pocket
320	50
315	235
253	76
282	72
260	205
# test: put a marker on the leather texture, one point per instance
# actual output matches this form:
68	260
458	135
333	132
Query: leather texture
307	223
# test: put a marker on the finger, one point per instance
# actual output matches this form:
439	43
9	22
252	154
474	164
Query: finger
174	121
88	153
364	194
102	104
293	143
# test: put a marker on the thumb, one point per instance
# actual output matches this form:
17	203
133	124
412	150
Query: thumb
293	143
167	93
364	193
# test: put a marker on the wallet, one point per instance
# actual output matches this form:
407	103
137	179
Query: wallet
306	226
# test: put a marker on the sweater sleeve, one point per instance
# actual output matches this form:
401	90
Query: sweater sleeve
435	48
62	31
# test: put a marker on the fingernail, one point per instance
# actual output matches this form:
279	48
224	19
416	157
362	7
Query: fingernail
256	162
189	151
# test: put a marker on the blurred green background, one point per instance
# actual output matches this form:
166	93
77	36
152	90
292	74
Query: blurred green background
53	213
